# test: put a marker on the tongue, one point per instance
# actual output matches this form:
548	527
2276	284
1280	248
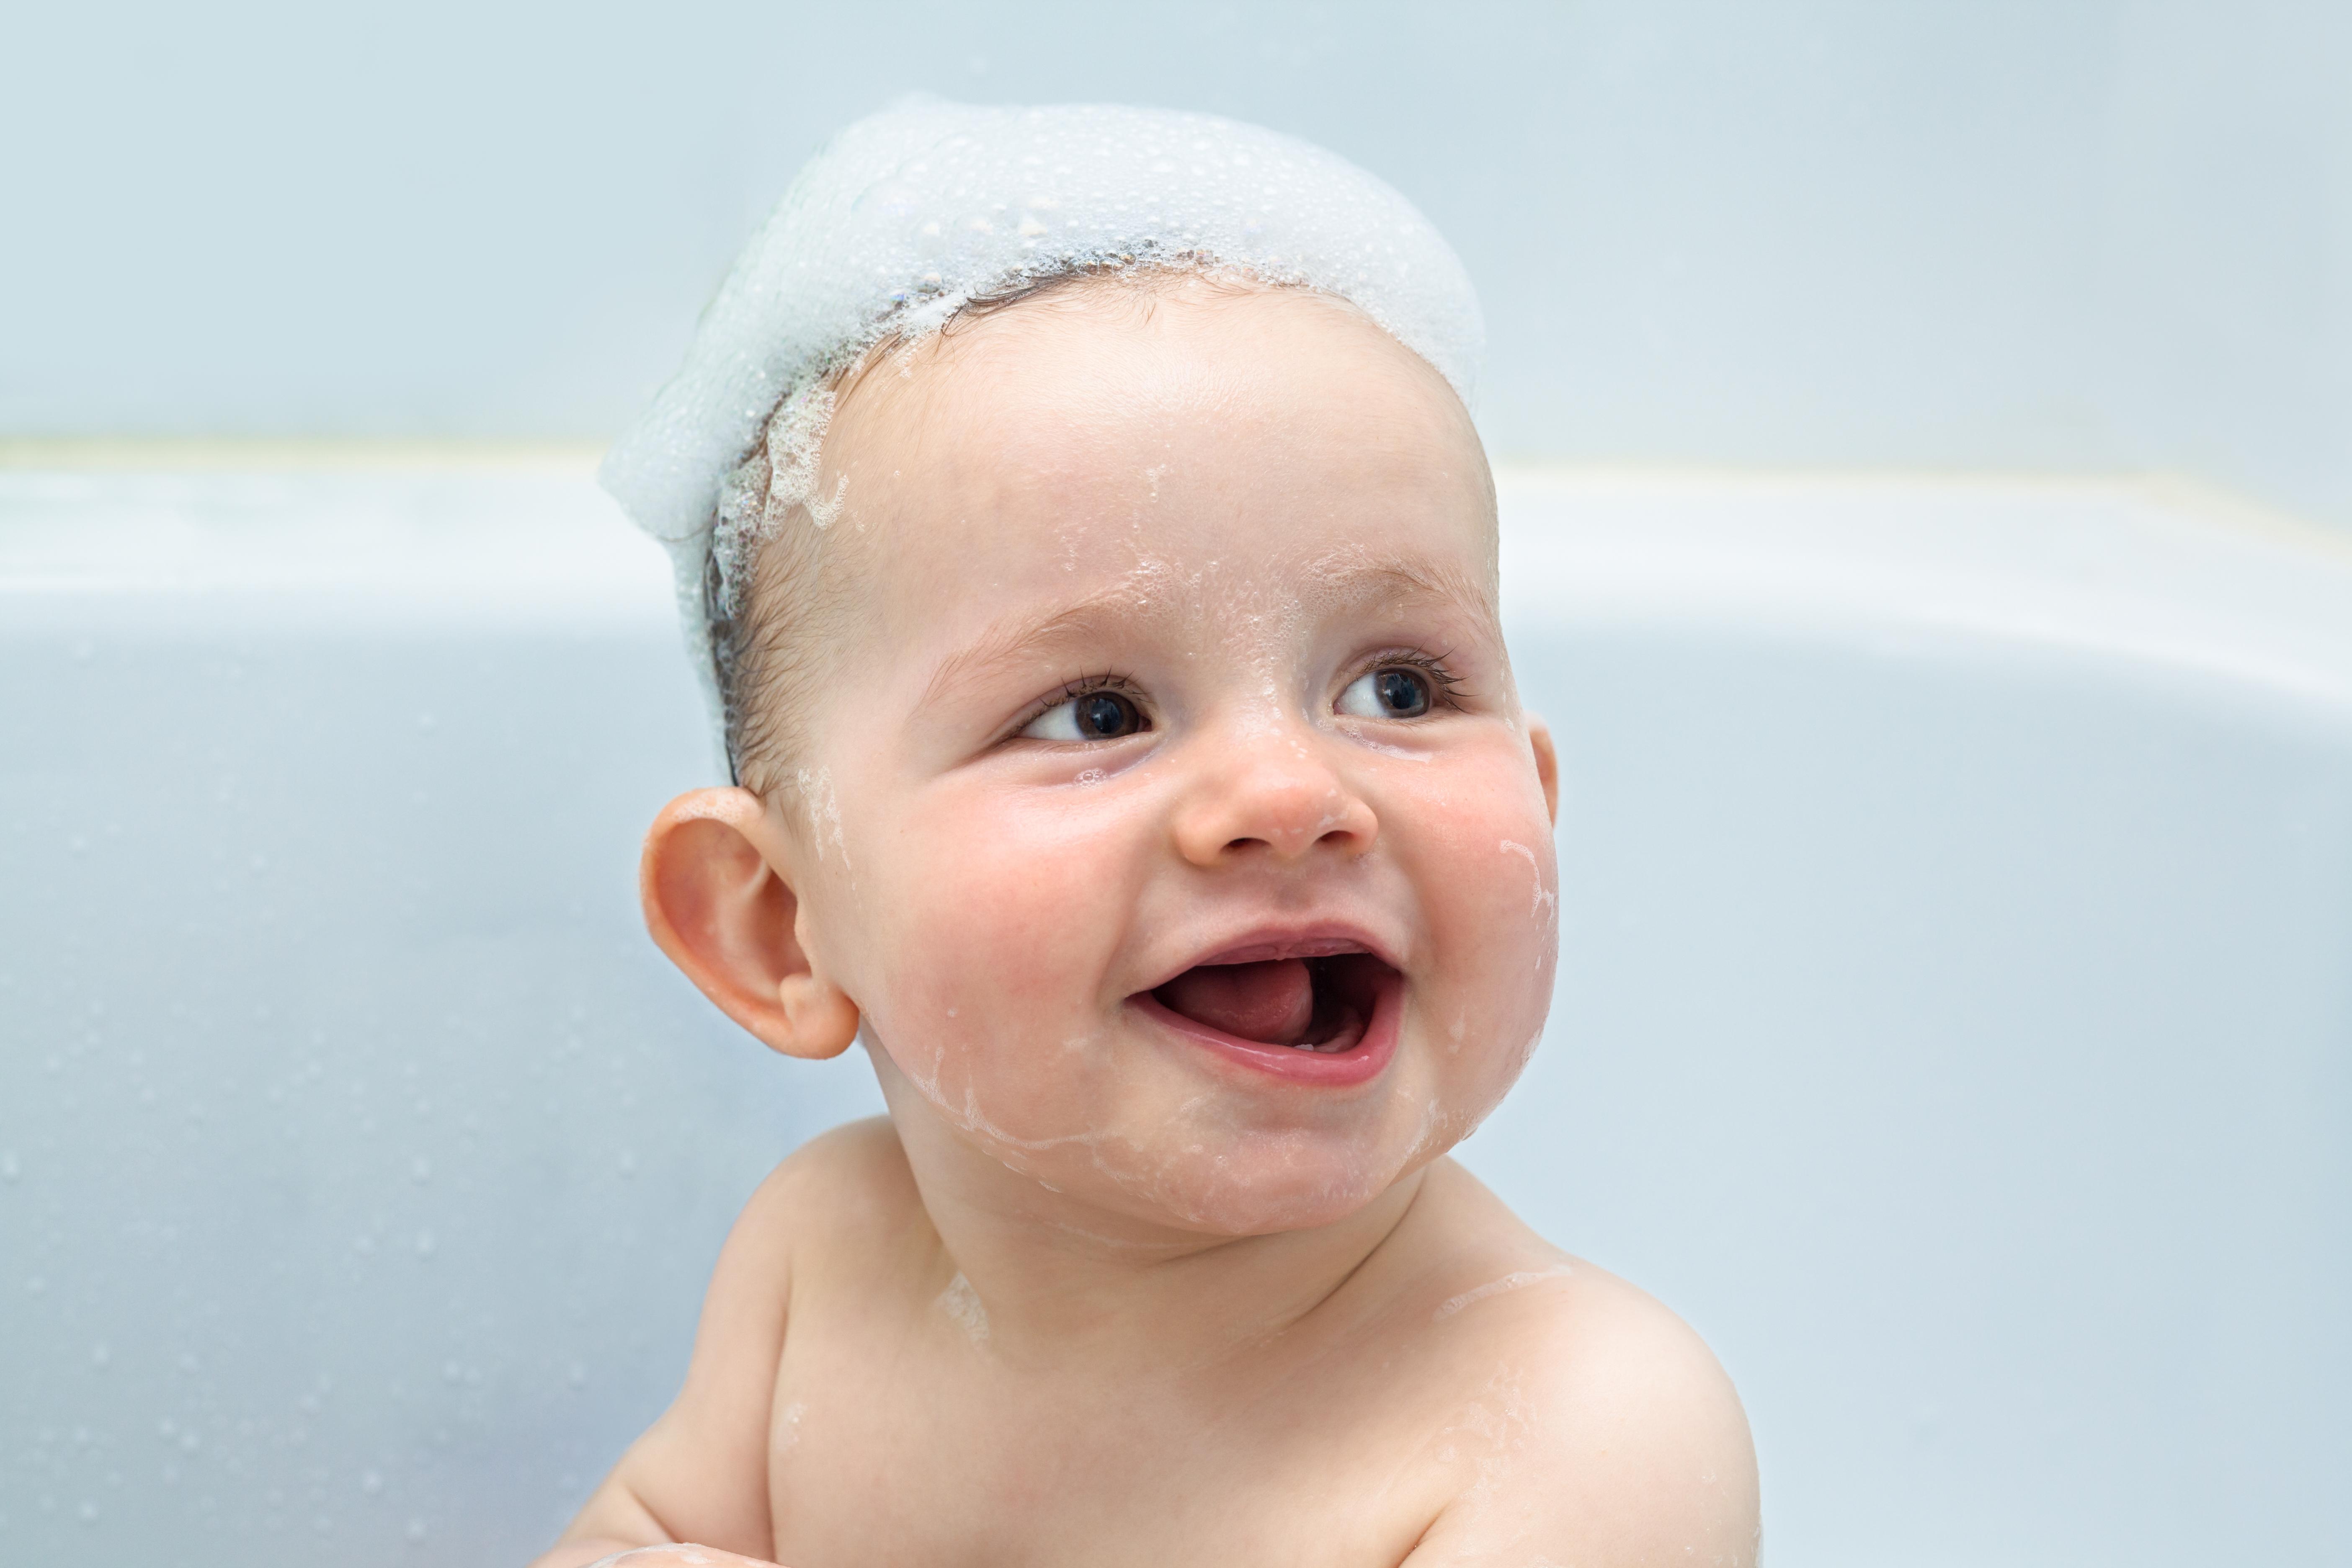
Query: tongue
1272	1002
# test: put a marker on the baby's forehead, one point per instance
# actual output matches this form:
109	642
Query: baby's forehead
1081	355
1186	523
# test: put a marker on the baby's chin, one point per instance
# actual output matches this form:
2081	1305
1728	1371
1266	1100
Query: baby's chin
1268	1186
1199	1164
1306	1190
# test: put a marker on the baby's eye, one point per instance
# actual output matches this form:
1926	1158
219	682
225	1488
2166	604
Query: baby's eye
1089	716
1393	691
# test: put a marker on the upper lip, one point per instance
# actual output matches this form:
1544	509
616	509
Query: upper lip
1285	938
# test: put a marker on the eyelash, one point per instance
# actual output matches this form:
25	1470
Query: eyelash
1081	686
1444	682
1441	680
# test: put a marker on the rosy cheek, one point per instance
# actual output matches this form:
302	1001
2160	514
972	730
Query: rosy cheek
1490	888
993	907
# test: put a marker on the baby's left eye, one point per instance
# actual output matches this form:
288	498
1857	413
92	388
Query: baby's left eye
1393	691
1099	715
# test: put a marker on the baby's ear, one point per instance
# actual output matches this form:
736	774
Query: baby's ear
1547	764
716	901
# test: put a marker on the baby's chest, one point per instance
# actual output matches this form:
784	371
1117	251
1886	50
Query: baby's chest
924	1463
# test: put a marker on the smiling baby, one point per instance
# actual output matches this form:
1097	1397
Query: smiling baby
1094	563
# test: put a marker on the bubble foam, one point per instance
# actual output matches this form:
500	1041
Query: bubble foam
905	217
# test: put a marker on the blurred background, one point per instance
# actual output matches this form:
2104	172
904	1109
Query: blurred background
1927	442
2025	233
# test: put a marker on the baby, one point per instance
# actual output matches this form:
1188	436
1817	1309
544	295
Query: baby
1104	632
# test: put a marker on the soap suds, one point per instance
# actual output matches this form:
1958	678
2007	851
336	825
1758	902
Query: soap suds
823	809
1546	901
1495	1288
902	220
961	1302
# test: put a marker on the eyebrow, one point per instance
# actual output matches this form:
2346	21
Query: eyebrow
1016	640
1352	577
1347	578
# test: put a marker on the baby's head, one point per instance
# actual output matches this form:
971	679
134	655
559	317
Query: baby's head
1127	745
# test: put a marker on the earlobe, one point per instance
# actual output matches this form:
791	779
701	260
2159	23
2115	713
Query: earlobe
713	880
1547	764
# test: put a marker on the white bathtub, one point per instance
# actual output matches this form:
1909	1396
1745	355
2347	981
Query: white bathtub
1955	1020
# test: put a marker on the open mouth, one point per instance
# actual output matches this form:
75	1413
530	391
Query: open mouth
1322	1005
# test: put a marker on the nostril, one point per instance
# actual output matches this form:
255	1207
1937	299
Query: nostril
1252	845
1351	827
1242	807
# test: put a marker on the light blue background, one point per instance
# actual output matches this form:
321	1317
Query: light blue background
1955	901
1957	878
2039	233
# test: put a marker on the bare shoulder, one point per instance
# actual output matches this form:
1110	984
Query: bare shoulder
839	1183
1585	1421
843	1181
700	1472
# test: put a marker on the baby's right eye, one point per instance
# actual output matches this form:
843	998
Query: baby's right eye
1097	715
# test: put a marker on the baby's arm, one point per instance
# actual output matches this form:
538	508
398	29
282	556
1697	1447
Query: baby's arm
1616	1438
700	1473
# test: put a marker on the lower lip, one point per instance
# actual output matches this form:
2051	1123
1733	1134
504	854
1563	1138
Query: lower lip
1359	1063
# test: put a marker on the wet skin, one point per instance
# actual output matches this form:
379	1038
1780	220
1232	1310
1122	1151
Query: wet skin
1170	831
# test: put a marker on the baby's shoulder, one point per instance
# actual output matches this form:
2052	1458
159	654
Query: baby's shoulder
1594	1413
844	1187
841	1193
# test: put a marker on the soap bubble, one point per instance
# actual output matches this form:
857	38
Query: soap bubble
907	216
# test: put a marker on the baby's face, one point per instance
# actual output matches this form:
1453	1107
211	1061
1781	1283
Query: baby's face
1171	816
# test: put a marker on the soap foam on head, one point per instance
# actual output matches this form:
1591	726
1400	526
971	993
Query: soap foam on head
905	217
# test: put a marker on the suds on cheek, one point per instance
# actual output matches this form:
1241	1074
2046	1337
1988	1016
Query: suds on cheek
1546	903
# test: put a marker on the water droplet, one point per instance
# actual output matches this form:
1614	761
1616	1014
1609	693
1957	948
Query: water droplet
371	1483
100	1355
628	1163
420	1171
88	1512
426	1246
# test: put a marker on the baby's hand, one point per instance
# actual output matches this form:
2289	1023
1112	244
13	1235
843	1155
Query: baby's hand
680	1557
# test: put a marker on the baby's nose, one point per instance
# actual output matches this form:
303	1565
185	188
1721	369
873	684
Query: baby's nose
1273	796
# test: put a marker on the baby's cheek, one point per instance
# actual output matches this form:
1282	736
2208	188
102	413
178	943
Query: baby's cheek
1485	831
992	942
1490	888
